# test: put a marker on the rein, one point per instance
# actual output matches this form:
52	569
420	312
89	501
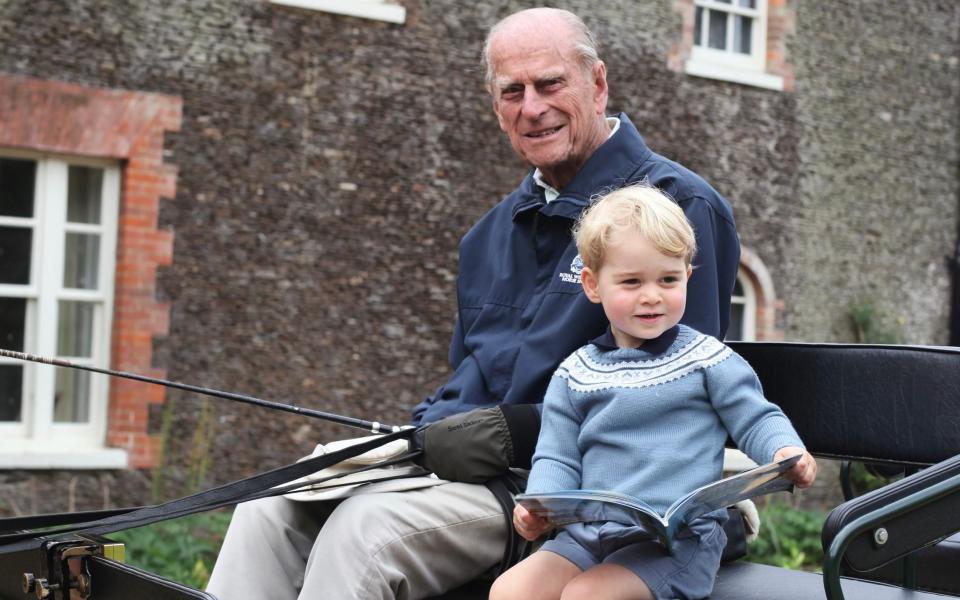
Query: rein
26	533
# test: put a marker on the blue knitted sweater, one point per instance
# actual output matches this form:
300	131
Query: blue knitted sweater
652	421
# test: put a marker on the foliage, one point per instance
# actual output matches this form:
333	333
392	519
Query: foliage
867	325
183	550
789	537
863	478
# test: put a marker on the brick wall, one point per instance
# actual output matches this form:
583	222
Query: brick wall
327	167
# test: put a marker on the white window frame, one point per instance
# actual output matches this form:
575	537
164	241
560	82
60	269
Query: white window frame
727	65
749	302
377	10
37	441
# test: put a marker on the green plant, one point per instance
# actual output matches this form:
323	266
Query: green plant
183	550
867	325
789	537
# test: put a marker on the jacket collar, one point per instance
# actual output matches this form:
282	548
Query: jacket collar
610	167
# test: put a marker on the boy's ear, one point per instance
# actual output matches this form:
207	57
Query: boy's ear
588	279
689	271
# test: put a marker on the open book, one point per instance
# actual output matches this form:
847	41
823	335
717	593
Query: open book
572	506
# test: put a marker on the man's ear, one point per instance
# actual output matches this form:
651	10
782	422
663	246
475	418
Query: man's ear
588	279
600	91
496	111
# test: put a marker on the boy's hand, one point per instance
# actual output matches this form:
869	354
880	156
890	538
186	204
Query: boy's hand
527	524
804	472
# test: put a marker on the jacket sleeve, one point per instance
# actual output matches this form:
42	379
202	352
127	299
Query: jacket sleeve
714	269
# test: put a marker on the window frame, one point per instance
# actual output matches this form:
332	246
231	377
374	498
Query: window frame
727	65
749	302
377	10
38	440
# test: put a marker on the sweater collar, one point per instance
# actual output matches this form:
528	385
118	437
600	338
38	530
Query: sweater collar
658	345
608	168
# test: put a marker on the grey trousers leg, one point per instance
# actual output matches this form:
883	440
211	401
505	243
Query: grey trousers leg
404	545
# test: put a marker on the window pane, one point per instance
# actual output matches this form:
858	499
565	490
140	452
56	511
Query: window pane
11	392
76	329
71	402
81	261
738	288
83	194
735	330
718	29
747	3
13	320
15	245
16	187
698	26
723	1
742	33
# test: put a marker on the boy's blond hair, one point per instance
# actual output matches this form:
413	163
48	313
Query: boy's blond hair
640	208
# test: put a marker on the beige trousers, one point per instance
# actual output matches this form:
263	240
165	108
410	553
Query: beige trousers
406	545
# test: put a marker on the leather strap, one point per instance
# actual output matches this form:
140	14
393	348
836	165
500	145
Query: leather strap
251	488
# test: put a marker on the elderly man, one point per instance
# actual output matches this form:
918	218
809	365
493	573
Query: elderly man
521	311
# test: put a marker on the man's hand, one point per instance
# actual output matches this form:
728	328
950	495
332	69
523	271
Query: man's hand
804	471
472	447
527	524
481	444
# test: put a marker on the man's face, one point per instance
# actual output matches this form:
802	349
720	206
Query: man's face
548	104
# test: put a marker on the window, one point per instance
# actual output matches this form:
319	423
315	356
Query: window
58	225
743	310
730	42
378	10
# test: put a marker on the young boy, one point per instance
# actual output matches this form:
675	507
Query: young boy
644	410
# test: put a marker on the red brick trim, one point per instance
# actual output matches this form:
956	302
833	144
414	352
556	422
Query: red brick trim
51	116
781	23
768	305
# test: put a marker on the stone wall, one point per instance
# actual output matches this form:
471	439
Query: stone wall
327	167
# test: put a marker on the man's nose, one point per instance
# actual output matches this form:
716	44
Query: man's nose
533	104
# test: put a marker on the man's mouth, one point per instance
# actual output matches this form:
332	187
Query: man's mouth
544	132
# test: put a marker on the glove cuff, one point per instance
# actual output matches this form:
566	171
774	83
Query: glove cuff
523	423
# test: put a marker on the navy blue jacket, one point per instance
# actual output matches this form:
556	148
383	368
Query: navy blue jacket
521	307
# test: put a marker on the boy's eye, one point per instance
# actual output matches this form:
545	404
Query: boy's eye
632	281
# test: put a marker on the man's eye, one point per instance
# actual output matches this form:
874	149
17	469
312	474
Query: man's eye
552	84
511	94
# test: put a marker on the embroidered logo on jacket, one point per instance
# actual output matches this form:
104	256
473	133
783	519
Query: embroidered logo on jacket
585	374
576	267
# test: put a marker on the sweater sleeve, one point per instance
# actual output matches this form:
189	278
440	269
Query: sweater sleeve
557	459
757	426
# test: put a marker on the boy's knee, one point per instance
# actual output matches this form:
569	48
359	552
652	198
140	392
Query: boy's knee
503	589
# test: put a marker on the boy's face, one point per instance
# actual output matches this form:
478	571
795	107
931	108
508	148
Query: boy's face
643	292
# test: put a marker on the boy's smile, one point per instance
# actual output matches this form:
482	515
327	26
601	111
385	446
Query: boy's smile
643	291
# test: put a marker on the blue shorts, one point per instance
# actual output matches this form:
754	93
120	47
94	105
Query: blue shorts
688	573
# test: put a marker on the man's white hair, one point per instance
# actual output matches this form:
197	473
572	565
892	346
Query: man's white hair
584	43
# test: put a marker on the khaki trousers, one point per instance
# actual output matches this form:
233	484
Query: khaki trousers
405	545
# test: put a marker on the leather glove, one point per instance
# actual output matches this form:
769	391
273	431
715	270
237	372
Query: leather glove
480	444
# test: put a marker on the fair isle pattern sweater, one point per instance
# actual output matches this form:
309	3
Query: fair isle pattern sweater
652	421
